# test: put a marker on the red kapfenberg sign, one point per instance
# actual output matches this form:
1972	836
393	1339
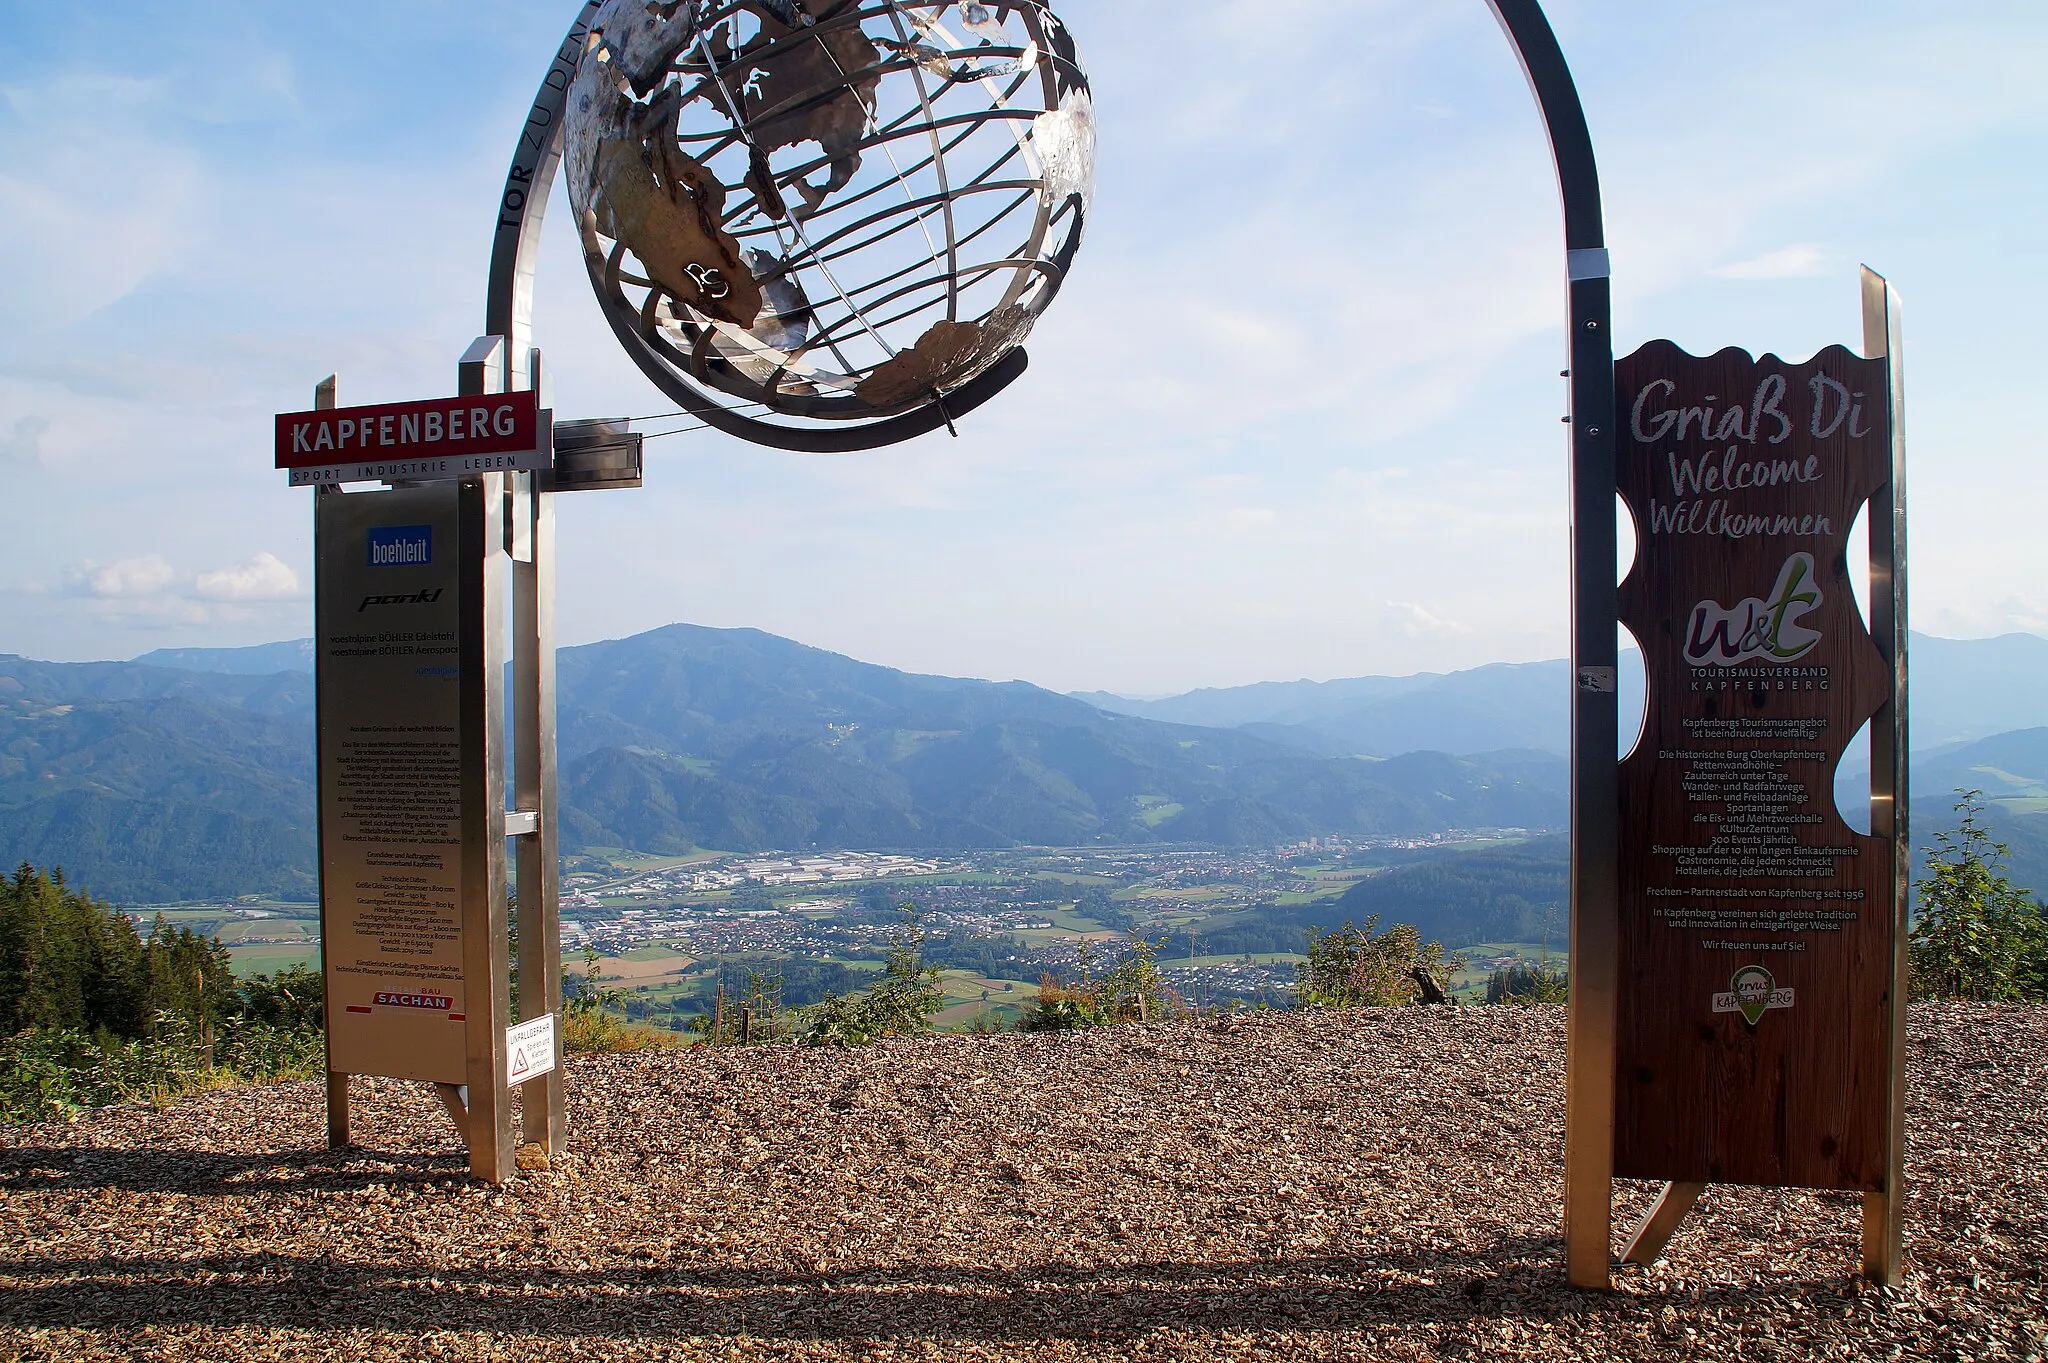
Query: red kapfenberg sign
414	441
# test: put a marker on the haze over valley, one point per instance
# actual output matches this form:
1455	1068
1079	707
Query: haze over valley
729	794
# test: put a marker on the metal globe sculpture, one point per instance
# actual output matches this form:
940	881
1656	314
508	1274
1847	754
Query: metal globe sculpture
844	213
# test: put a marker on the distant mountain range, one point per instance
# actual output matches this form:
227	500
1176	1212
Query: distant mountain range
151	782
1507	705
194	779
259	660
739	739
1963	689
188	773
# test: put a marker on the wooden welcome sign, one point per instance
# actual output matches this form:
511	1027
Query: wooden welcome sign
1757	983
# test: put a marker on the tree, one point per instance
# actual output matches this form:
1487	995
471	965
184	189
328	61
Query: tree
1356	967
900	1003
1975	934
67	960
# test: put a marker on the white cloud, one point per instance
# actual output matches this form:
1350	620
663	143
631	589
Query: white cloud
147	592
1419	623
263	578
141	576
1803	261
1307	362
23	442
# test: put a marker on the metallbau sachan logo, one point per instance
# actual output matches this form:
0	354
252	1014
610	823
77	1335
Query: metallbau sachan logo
1758	628
388	998
401	546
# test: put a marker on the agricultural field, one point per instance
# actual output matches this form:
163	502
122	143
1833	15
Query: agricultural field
1483	959
667	932
969	995
269	958
261	937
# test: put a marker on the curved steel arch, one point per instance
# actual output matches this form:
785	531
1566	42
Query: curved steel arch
1595	816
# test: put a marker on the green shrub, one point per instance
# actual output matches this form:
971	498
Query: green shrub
594	1022
1355	967
1975	934
1133	992
1526	984
294	999
47	1074
900	1003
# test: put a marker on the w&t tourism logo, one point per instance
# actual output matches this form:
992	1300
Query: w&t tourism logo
1754	629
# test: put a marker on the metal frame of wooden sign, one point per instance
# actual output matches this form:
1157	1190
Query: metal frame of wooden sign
1852	1034
506	549
1883	1211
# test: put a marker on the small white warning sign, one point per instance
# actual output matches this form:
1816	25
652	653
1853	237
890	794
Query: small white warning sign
530	1049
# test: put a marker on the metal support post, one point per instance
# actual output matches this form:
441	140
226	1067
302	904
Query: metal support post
337	1084
543	1116
1596	799
1883	1211
484	925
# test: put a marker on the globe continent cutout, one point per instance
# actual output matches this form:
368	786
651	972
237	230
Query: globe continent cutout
826	209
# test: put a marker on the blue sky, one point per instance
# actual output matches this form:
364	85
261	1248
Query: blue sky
1295	415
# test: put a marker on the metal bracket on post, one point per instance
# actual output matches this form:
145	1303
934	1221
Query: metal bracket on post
1654	1231
455	1098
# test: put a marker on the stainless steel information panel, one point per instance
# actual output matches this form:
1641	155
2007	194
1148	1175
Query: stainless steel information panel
388	609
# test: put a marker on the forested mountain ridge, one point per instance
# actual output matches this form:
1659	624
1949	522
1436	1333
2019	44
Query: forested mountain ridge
149	782
737	738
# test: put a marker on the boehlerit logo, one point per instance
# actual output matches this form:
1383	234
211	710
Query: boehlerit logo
401	546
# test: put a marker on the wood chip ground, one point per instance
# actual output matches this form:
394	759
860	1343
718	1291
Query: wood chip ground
1377	1185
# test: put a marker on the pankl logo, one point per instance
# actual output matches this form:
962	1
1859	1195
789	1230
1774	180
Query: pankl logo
401	546
420	598
1752	629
